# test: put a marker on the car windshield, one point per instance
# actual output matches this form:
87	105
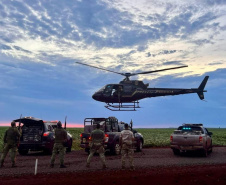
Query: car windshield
190	129
54	126
102	123
52	123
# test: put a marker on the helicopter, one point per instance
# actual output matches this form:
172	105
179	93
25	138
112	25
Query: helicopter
125	95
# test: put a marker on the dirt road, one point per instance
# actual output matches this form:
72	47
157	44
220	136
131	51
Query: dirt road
158	165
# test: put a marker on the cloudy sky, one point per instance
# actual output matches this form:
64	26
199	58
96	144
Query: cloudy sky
40	41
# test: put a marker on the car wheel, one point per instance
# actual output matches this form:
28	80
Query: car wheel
117	148
205	152
211	148
68	149
176	152
139	146
23	152
87	150
69	146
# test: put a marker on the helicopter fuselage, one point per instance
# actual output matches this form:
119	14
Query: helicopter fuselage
134	90
127	93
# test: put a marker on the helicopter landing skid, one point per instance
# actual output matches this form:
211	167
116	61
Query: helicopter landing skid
130	106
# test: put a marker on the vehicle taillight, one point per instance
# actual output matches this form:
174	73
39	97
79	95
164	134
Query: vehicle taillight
171	138
45	134
200	139
81	135
89	138
106	138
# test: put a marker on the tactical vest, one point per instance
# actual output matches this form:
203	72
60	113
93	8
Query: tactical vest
97	136
60	135
127	136
12	136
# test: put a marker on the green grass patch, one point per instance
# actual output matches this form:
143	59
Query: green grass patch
152	137
75	132
156	137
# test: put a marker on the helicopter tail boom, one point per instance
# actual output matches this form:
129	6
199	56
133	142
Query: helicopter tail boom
201	88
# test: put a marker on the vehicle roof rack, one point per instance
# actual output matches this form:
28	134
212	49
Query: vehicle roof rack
192	124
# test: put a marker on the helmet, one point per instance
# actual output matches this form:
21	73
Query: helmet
13	123
59	124
126	125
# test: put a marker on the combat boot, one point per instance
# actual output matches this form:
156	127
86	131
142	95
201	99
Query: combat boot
87	165
14	165
62	166
132	168
2	164
104	166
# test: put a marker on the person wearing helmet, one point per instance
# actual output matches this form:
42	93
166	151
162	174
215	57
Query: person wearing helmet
11	139
60	139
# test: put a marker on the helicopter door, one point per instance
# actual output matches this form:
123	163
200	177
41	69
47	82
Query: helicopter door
108	90
117	91
113	91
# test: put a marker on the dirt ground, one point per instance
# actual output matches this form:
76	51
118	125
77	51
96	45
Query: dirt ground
213	174
153	166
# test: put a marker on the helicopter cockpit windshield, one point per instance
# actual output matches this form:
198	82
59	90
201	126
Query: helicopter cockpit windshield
101	89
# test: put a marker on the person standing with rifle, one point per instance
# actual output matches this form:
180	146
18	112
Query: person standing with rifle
60	139
11	141
96	145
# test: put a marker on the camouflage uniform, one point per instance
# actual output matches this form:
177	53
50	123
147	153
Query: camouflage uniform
11	139
60	138
96	145
126	140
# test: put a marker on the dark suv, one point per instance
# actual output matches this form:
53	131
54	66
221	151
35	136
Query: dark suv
36	135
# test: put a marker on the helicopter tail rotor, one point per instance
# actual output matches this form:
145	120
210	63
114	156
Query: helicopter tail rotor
201	88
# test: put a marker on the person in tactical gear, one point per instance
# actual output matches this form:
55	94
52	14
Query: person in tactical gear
60	139
11	140
126	143
96	145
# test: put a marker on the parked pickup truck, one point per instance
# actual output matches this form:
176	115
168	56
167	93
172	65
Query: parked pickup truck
190	137
112	129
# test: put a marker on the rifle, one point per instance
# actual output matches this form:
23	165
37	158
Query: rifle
65	143
131	125
65	123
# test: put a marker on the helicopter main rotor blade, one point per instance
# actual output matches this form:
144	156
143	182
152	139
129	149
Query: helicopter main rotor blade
133	74
127	75
100	68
